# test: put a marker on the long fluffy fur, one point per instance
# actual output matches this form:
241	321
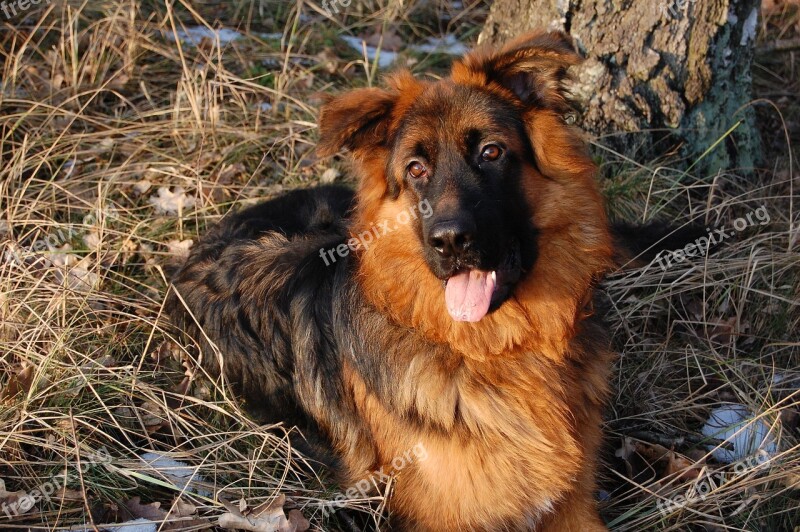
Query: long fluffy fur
362	355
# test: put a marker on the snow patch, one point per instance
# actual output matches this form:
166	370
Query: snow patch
193	35
742	435
137	525
271	36
179	473
385	58
441	45
749	28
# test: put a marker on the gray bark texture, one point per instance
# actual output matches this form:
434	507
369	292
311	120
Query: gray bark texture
658	74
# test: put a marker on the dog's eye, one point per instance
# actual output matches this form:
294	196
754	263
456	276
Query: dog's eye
417	170
491	152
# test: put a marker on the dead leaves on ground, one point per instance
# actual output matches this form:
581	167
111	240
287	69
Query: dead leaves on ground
178	516
653	462
170	357
21	502
172	202
276	515
149	415
10	498
19	381
266	517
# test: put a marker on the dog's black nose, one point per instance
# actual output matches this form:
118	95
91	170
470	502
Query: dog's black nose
452	238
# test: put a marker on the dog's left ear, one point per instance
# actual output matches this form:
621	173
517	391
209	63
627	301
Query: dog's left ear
355	120
532	67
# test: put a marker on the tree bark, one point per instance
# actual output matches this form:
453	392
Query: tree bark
658	75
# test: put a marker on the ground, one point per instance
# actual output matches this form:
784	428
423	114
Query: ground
121	143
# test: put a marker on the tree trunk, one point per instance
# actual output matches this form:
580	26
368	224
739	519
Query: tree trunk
658	74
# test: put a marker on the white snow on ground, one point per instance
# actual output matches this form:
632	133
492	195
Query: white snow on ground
385	59
179	473
736	426
441	45
137	525
749	28
194	34
447	44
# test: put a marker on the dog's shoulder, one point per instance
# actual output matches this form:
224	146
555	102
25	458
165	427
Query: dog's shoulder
256	283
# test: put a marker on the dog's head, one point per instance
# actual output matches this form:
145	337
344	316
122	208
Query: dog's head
471	148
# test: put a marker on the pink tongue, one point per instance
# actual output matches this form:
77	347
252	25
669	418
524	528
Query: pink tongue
469	294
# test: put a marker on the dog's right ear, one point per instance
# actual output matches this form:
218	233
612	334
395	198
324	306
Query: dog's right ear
355	120
532	67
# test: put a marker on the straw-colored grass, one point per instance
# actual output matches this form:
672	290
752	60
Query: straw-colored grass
100	109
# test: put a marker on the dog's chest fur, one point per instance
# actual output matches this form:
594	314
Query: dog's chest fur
493	431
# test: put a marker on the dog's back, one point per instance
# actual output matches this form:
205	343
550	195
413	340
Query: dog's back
254	287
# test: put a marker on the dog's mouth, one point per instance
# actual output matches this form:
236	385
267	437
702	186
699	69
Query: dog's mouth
471	293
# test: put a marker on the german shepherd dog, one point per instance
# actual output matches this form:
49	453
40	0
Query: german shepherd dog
461	325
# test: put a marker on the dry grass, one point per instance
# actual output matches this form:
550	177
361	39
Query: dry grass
98	104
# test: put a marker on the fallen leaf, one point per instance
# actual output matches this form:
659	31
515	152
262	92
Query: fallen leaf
299	521
153	416
328	60
11	499
790	480
61	256
228	172
182	508
119	81
653	452
180	248
171	202
175	519
142	186
189	375
19	382
724	331
388	40
681	467
166	351
269	523
67	495
81	278
150	511
267	517
92	240
329	175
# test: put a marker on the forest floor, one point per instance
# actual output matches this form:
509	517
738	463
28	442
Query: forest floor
128	127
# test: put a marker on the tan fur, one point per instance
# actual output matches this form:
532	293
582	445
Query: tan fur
519	400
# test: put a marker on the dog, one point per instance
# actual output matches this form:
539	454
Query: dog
445	305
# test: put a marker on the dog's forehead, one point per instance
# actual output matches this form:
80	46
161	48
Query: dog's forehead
448	112
452	105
